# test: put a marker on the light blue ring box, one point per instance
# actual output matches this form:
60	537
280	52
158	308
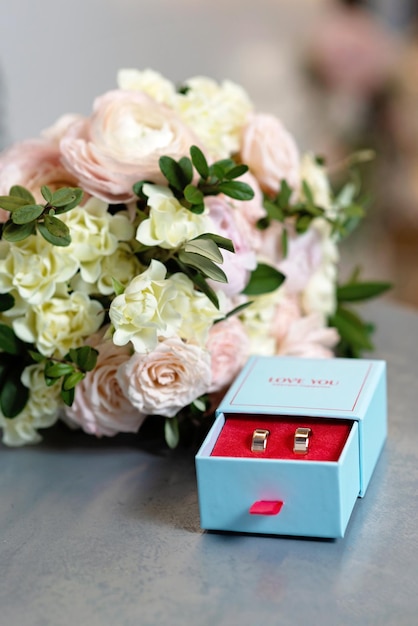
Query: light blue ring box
318	497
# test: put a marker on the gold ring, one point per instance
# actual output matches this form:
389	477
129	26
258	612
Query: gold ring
301	440
259	440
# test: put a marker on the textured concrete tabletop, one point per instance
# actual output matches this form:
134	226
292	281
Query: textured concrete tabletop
103	533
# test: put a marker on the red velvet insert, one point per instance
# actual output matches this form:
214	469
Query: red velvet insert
326	444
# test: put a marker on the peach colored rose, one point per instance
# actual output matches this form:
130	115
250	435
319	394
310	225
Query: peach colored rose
31	164
236	265
167	379
270	152
121	143
229	348
100	406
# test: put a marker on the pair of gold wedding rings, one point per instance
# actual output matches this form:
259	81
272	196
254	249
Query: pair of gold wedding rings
301	440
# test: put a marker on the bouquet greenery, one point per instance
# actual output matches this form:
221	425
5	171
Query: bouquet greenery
148	249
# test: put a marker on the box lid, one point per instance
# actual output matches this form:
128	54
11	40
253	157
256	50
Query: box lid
338	388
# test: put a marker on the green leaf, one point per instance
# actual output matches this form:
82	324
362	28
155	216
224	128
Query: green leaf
198	209
67	396
199	162
263	279
171	432
55	231
236	190
118	288
137	189
351	329
203	265
221	242
7	301
303	223
187	169
13	393
71	380
274	212
46	193
8	341
199	404
361	291
173	172
205	247
85	357
11	203
17	232
27	213
193	194
284	195
201	283
21	192
56	370
238	309
66	196
236	171
285	243
307	192
36	356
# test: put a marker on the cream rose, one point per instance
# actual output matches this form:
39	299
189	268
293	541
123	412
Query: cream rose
169	223
100	406
121	143
270	152
167	379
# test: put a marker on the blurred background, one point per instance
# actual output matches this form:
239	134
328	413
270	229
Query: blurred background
342	76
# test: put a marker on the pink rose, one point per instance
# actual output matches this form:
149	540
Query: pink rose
100	406
303	258
270	152
121	143
237	265
302	336
229	348
31	164
166	380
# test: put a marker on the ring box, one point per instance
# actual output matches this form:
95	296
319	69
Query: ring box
342	401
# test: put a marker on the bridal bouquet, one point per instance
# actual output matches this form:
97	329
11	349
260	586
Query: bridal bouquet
147	250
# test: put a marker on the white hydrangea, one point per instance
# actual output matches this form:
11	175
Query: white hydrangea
169	224
34	268
122	265
61	323
154	307
95	235
148	81
216	113
41	411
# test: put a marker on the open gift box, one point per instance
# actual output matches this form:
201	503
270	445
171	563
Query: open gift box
277	491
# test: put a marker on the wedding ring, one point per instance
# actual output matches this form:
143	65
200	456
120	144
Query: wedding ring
259	440
301	440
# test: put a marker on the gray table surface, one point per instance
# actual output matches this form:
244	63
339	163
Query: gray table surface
107	532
